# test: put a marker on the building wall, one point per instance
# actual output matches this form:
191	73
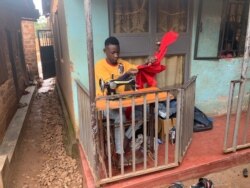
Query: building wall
213	76
29	46
73	65
8	97
9	94
64	66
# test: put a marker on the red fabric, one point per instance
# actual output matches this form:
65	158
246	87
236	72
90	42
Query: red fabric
128	112
147	73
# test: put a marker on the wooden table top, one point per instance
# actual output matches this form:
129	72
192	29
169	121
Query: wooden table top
138	98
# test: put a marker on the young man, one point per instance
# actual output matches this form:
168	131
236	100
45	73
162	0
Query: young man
112	66
109	68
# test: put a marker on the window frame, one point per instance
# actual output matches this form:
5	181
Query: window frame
223	26
224	13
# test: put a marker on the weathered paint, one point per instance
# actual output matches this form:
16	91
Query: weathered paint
76	32
77	49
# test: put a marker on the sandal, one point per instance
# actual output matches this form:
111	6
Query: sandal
203	183
176	185
138	157
245	172
126	162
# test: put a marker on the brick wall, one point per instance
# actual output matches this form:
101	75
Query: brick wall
8	96
29	45
9	92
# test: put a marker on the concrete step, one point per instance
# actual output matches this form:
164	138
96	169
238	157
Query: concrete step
11	138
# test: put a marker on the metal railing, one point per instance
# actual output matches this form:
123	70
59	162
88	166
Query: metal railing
238	117
86	132
156	157
187	115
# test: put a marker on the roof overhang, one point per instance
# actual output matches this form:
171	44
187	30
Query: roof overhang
22	8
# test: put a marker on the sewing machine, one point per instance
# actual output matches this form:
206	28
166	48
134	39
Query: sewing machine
113	84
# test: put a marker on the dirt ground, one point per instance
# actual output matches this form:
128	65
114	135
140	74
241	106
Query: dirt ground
41	159
230	178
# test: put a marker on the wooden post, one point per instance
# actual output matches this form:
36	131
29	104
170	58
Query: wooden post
91	70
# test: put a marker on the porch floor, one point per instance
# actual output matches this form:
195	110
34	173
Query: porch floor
205	155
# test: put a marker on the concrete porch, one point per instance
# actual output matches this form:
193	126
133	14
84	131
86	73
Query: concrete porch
205	155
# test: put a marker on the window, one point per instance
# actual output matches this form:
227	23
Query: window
131	16
3	68
221	29
234	30
139	24
172	15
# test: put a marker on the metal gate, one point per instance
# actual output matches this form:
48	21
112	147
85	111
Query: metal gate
237	135
45	39
238	117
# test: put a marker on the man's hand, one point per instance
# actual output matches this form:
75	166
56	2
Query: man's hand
132	71
150	60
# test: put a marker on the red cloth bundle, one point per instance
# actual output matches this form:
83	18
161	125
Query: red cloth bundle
147	73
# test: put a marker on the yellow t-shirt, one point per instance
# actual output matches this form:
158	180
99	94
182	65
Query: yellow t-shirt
104	71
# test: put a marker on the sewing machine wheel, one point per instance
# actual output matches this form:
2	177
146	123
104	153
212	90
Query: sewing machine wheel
102	84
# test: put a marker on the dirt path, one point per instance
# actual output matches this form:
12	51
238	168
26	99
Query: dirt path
230	178
42	160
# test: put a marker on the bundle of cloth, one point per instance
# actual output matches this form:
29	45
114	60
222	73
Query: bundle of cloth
147	72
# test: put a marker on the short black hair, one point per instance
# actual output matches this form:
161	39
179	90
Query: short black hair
111	40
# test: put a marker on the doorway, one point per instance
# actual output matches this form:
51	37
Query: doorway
45	39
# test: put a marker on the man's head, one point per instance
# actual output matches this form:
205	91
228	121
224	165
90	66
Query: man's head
112	50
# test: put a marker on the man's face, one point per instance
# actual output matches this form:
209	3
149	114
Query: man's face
112	53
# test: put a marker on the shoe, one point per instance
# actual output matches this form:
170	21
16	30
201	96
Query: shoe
138	157
245	172
203	183
176	185
125	160
138	142
126	144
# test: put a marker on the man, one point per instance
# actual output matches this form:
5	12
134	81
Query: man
110	68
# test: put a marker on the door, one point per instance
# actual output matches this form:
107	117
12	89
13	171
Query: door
140	24
45	39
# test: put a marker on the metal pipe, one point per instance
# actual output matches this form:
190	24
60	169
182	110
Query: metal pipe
133	134
238	115
156	129
145	131
122	136
229	111
166	129
108	140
